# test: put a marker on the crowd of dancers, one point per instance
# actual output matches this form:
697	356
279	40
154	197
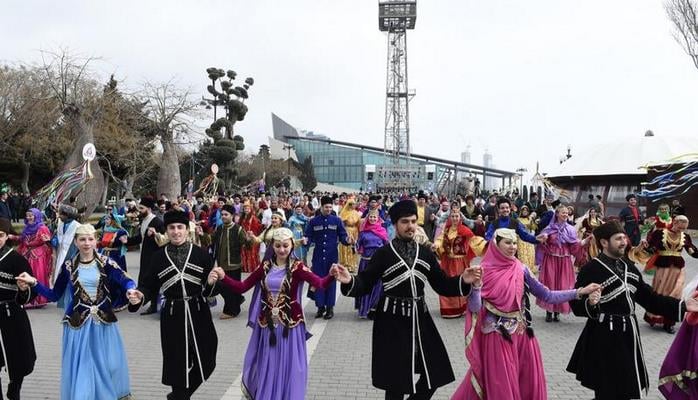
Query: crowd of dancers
384	251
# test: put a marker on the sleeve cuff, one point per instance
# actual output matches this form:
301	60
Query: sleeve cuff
592	311
348	288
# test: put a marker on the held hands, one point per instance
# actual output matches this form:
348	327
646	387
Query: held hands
215	275
340	273
472	275
134	296
151	231
305	241
123	239
692	305
542	238
594	292
644	244
45	237
24	280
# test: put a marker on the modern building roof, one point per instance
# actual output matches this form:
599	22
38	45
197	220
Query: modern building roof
626	156
465	167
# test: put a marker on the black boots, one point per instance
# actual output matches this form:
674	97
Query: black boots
669	329
556	317
548	317
329	314
320	312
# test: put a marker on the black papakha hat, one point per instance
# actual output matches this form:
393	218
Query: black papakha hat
403	208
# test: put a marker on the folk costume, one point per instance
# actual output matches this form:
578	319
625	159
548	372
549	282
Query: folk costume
630	217
591	249
63	240
148	247
526	252
16	341
608	357
250	251
678	376
93	361
110	245
557	267
276	366
227	247
405	339
453	246
670	276
38	252
510	223
502	351
351	220
325	232
297	223
371	238
187	335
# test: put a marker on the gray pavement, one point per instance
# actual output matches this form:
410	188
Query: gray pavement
340	364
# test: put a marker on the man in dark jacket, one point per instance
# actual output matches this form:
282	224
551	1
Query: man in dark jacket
227	245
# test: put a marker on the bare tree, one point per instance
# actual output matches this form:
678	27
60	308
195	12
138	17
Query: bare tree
28	120
172	112
79	99
683	14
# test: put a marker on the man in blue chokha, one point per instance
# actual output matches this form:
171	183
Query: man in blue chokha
324	231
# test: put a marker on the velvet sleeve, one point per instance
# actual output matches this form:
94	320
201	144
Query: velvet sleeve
117	275
442	284
342	233
363	283
21	266
304	273
668	307
690	247
59	287
524	234
582	307
243	286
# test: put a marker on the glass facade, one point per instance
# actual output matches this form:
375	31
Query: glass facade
344	166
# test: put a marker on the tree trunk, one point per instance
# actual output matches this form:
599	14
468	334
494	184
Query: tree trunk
105	193
25	174
128	187
92	193
169	181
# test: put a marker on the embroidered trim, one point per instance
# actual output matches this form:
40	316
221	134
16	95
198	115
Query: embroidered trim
392	268
397	280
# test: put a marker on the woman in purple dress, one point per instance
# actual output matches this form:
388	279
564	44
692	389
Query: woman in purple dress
372	236
276	366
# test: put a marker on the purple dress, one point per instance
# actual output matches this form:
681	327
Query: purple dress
368	242
677	377
278	372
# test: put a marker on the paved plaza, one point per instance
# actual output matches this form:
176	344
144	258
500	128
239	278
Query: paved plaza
340	353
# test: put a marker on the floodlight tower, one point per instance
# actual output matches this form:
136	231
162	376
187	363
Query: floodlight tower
396	17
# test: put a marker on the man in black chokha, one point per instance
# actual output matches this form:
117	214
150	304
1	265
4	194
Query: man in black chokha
403	331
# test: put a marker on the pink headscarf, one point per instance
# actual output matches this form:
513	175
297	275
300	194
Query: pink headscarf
502	279
377	228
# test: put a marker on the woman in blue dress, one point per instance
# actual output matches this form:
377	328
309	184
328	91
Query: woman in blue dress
93	358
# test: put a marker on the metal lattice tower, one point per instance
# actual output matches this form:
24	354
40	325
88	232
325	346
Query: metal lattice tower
395	17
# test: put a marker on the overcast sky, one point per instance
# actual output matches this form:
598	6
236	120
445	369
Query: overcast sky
521	78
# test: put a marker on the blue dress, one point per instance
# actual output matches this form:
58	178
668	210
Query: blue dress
93	361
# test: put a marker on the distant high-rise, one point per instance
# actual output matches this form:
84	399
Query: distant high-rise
487	183
465	156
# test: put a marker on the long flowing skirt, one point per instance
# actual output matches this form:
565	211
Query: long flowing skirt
278	372
667	282
557	273
453	307
368	302
94	363
250	258
510	370
41	269
678	377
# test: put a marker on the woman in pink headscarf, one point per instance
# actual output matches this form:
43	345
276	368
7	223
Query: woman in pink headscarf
557	268
34	246
372	236
504	356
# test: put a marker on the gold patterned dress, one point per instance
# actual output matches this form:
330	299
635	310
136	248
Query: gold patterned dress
351	219
527	251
